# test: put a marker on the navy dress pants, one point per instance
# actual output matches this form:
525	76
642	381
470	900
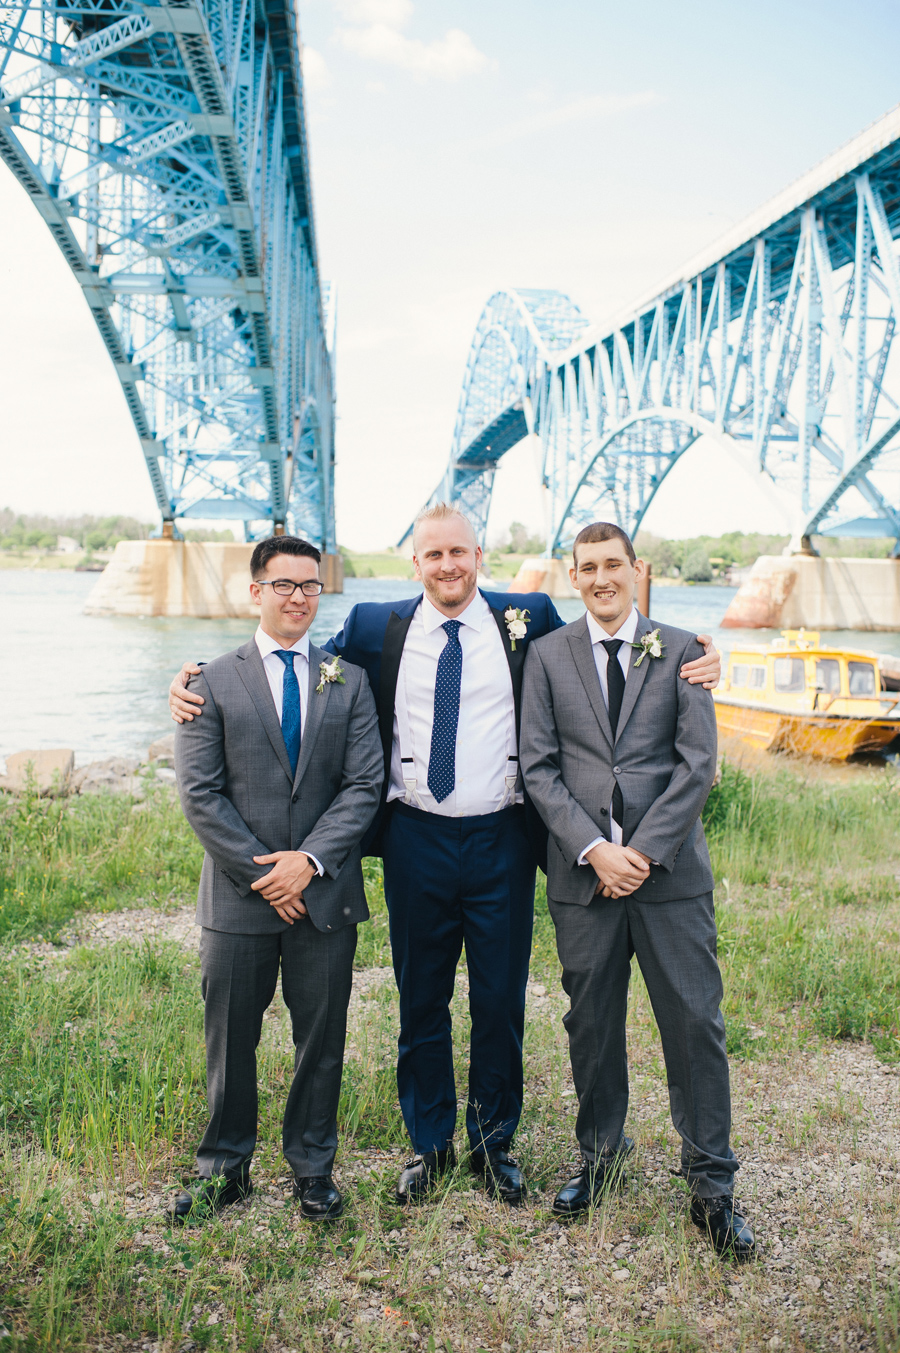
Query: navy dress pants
449	882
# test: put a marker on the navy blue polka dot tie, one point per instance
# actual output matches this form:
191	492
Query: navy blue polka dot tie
442	761
290	707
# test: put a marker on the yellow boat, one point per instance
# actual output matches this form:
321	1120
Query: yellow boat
794	695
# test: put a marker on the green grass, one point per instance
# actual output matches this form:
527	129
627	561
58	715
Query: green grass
806	906
378	564
61	856
102	1102
106	1062
762	826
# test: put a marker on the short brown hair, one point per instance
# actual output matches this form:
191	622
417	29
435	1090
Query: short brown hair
272	545
599	531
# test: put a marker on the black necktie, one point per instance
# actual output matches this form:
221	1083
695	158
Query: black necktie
615	686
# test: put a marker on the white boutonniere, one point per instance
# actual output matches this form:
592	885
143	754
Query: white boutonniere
329	672
517	623
649	644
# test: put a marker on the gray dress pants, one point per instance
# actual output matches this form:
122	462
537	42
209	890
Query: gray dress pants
239	976
675	944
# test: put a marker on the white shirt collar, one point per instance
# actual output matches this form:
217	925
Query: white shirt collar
473	615
625	632
266	644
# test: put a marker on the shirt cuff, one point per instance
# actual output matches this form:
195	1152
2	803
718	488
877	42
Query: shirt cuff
319	868
598	840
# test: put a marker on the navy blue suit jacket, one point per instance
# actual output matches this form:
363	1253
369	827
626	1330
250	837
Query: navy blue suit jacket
373	637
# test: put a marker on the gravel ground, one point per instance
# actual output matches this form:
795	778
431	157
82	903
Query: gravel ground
817	1130
826	1216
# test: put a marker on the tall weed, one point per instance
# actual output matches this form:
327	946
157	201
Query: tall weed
61	856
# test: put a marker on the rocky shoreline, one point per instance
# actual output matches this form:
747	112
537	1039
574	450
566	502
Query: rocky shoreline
53	772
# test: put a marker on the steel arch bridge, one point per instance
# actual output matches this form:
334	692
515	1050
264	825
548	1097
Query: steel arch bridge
164	145
777	343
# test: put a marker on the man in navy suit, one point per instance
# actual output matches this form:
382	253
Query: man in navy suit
460	842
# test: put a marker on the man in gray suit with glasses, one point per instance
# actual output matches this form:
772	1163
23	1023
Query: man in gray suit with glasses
280	781
619	756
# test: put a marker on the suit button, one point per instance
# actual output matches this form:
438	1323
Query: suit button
603	812
617	770
294	798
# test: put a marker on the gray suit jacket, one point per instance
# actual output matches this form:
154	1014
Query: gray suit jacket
237	792
663	756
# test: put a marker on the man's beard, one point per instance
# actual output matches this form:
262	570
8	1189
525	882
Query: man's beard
435	593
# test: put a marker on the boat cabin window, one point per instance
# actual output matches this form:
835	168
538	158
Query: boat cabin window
862	678
789	674
757	678
739	674
828	676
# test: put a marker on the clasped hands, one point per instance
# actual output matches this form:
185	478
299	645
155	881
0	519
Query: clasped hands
620	870
283	886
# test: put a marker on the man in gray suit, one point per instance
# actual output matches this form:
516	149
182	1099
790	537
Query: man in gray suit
279	780
619	756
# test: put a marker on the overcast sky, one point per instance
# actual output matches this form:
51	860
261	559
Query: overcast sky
458	148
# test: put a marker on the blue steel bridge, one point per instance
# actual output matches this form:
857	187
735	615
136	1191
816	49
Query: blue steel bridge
164	146
777	343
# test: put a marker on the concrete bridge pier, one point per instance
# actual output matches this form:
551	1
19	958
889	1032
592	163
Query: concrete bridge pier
206	580
787	592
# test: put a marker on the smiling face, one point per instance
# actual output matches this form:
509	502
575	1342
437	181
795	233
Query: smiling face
606	579
286	619
447	559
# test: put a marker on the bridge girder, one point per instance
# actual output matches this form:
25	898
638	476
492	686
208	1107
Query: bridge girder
164	146
777	343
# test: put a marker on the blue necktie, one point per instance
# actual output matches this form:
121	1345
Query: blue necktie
290	707
442	762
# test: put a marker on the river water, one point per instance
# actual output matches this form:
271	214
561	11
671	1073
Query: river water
99	685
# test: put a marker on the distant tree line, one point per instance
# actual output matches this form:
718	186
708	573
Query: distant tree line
701	558
21	531
35	532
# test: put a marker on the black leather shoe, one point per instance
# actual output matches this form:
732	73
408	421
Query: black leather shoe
586	1188
726	1225
319	1198
501	1174
208	1197
418	1175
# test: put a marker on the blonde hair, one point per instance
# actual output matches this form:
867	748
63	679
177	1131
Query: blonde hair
441	512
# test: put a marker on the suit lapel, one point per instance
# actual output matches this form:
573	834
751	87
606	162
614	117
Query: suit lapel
391	653
252	673
515	658
316	704
582	651
635	679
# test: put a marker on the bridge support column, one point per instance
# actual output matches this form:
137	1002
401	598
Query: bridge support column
545	575
331	571
816	593
206	580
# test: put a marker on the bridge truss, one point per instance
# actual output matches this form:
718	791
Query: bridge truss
164	145
778	343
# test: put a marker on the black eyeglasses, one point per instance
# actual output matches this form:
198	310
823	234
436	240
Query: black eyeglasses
283	587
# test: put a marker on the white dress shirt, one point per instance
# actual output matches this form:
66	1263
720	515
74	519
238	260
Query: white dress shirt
626	633
275	670
486	732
